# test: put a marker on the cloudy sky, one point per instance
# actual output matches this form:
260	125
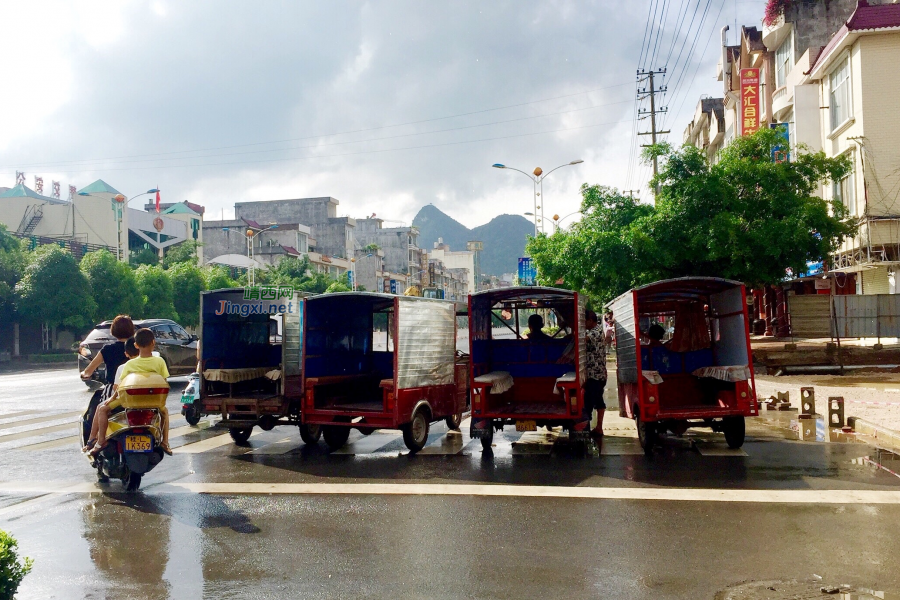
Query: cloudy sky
385	105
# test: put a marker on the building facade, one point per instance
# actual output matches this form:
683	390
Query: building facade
461	259
334	235
399	245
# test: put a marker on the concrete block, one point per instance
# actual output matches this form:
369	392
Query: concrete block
835	411
808	400
790	346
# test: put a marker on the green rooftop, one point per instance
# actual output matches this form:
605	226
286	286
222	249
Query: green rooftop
179	209
23	191
99	187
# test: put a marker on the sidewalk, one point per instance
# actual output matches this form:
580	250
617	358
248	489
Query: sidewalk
21	367
874	397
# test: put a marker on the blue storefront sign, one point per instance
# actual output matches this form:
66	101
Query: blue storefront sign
393	286
527	271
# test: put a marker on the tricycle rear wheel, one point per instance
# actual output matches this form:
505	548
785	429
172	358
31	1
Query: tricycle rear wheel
646	432
240	436
487	438
415	433
335	436
310	434
734	429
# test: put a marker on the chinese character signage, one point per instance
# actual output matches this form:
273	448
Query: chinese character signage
527	272
393	286
749	100
268	292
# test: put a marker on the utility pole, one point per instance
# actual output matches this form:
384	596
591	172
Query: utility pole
631	192
651	93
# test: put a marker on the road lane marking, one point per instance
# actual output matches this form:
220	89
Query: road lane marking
21	413
36	432
749	496
449	444
282	446
46	419
620	446
210	443
76	439
706	449
370	443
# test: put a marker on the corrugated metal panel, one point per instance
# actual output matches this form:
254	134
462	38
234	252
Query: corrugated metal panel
875	281
290	338
626	347
426	343
889	315
856	316
810	315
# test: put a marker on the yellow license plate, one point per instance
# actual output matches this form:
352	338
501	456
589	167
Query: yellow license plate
138	443
526	426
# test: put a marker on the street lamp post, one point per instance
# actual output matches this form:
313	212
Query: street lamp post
119	204
537	178
557	219
250	236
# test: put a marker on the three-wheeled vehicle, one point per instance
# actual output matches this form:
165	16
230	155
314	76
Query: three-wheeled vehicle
376	361
250	361
528	380
699	371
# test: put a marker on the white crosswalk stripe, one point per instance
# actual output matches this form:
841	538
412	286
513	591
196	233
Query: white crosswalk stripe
620	440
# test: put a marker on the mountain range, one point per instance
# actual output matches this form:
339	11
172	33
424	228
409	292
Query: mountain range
503	237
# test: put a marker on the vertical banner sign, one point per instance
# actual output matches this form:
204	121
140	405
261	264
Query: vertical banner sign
781	153
527	272
350	278
394	286
749	101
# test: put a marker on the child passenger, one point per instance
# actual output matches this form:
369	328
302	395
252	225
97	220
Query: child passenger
131	352
144	363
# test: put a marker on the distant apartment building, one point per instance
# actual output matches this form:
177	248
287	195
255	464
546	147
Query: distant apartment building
371	274
399	245
706	130
334	235
457	259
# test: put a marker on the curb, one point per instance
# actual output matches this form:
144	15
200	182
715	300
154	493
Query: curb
886	438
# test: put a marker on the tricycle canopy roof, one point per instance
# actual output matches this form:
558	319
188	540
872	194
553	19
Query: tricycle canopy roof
534	294
680	290
382	301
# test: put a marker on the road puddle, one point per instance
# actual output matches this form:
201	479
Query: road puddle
813	587
883	460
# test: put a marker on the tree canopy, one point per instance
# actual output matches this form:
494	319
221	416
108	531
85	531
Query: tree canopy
156	288
54	291
185	252
12	266
745	217
187	283
113	285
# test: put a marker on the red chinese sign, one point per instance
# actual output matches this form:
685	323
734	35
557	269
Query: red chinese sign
749	100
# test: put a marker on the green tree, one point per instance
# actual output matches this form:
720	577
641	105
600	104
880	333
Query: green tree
289	271
12	267
113	285
185	252
217	277
156	289
54	291
144	256
13	569
187	283
744	217
596	254
317	283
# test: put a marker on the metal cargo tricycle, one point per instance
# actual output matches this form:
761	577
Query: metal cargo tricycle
683	358
249	355
528	380
376	361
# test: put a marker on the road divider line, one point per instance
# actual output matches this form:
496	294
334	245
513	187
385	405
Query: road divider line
748	496
76	439
45	419
36	432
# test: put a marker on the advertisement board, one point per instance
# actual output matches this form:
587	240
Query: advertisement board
527	271
749	100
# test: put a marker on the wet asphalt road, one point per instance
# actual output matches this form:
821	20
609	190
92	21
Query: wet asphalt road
684	523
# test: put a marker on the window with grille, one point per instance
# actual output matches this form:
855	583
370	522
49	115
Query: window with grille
839	96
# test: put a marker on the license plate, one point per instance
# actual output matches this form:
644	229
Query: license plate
526	426
138	443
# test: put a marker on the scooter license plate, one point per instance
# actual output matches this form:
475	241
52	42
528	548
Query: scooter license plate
138	443
526	426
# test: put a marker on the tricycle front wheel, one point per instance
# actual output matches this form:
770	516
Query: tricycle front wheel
487	439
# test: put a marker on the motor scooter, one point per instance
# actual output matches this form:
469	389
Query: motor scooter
191	407
134	432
